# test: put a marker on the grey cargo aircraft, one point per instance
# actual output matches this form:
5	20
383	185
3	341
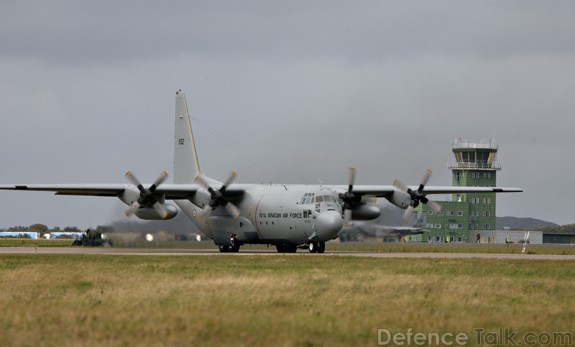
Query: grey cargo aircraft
287	216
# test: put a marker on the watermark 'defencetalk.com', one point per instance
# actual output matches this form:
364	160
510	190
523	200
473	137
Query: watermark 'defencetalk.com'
479	336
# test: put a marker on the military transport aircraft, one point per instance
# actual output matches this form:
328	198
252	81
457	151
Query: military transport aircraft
287	216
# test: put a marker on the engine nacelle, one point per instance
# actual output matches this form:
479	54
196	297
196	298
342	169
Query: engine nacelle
149	213
365	212
129	195
400	199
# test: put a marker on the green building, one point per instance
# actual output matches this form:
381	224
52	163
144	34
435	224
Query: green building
461	218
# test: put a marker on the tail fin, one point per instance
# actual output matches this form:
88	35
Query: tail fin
186	164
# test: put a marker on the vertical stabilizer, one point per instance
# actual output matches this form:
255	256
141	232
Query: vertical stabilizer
186	164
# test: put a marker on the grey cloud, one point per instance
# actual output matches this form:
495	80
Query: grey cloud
283	92
71	32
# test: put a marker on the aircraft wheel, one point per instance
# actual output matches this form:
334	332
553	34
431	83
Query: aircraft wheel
234	249
313	247
321	247
286	248
224	249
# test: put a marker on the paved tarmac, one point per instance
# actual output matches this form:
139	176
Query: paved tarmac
215	252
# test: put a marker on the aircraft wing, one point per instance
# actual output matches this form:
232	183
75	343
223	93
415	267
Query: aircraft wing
171	191
455	190
184	191
384	191
71	189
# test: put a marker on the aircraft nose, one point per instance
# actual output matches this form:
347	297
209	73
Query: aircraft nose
328	224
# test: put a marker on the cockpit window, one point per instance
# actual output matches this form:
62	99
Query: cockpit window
328	198
310	198
307	199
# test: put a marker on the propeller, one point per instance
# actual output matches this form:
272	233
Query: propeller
217	197
417	196
348	198
147	198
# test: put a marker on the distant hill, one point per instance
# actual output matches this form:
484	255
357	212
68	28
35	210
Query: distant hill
563	229
522	223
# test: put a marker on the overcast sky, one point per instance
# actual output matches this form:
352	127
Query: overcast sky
289	92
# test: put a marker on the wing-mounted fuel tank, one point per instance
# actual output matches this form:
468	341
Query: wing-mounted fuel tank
365	211
150	213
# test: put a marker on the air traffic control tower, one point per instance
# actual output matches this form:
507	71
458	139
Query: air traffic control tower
466	214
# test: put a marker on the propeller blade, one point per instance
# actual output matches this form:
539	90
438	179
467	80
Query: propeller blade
230	179
407	215
132	209
201	180
161	210
426	177
347	218
349	197
134	180
397	184
159	180
232	210
352	172
434	206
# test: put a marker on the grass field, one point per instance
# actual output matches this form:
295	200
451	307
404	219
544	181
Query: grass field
289	300
13	242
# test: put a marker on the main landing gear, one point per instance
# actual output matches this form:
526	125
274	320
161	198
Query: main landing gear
317	247
230	249
234	246
286	248
314	247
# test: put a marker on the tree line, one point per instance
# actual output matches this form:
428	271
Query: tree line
44	229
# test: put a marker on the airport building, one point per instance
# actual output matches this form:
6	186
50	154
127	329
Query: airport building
466	215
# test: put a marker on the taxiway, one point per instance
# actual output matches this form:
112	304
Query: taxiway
215	252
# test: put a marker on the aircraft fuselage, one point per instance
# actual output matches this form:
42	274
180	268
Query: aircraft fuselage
294	214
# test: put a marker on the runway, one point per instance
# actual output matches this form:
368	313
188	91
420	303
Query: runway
215	252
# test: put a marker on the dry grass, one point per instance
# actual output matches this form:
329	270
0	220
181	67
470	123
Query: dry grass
15	242
71	300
